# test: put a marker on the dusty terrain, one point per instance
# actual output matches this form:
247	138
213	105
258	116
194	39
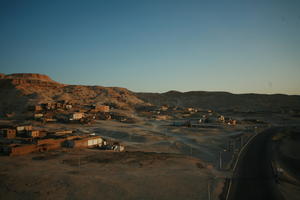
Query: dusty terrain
20	90
287	161
90	174
161	161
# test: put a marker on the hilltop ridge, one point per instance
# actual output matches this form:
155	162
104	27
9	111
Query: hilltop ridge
29	76
23	89
224	100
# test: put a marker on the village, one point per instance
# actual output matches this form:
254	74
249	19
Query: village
189	117
75	136
24	138
114	136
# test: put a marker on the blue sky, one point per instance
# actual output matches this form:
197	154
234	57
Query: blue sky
156	45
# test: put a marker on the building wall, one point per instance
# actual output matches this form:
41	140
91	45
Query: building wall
38	115
8	133
102	108
84	142
95	141
77	116
24	128
24	149
34	133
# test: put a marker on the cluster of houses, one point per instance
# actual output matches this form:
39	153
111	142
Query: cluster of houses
188	116
20	140
165	112
63	111
66	112
51	106
209	119
205	121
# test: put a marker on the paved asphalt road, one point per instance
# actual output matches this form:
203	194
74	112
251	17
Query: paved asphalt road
254	178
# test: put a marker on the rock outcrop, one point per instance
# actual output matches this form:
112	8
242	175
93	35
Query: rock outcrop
20	79
29	76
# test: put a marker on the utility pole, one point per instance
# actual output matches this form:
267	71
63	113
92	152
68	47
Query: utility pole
208	190
79	161
242	141
220	156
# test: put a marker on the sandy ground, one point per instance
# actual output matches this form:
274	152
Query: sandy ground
287	158
162	162
91	174
159	136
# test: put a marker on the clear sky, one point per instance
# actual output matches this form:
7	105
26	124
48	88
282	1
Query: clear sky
156	45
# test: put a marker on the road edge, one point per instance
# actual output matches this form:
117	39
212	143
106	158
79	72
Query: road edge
236	162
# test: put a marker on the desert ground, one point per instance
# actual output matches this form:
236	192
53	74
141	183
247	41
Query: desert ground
171	152
160	162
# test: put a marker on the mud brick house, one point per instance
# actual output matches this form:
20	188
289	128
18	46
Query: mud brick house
24	128
16	149
76	116
164	108
48	106
100	108
9	115
118	116
53	143
33	133
161	117
103	116
232	122
84	142
49	120
68	106
38	115
8	133
63	132
50	144
221	118
35	108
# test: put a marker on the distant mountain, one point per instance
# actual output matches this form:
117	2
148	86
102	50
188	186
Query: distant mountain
224	100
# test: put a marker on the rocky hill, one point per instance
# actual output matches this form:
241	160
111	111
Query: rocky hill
224	100
18	91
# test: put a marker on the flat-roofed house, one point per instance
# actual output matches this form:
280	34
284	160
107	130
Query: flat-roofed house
36	108
8	133
68	106
76	116
101	108
38	115
84	142
23	128
16	149
33	133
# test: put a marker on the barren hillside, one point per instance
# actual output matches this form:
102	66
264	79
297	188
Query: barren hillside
224	100
17	91
20	90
